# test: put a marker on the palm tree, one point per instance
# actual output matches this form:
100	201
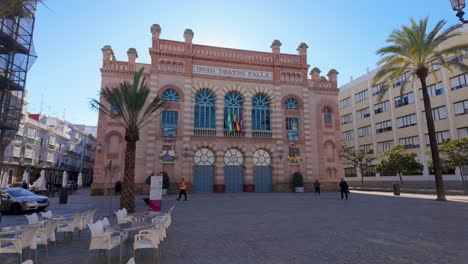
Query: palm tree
415	51
130	105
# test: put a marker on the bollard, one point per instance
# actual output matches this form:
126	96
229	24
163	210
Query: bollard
396	189
63	199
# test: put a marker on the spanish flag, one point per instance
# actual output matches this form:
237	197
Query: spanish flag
236	125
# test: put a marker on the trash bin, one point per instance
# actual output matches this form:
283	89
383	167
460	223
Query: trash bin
63	199
396	189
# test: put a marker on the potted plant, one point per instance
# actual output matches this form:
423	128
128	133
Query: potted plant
298	182
165	182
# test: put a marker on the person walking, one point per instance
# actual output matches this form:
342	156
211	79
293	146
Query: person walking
317	187
183	187
344	189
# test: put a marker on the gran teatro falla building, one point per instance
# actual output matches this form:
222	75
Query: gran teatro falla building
238	121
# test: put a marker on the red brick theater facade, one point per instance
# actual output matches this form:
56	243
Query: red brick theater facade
239	120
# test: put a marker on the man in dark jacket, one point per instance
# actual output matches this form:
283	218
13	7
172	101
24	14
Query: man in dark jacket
344	189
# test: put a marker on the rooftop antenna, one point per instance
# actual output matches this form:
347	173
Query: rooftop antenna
42	103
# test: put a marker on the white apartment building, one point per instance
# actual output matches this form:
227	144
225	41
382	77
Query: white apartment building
49	143
398	118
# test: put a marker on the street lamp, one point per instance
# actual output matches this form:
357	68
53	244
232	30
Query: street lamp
459	5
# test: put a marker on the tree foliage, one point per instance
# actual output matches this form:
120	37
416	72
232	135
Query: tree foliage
298	180
130	105
396	161
454	154
414	50
357	159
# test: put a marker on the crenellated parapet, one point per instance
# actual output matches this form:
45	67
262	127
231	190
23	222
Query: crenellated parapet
321	84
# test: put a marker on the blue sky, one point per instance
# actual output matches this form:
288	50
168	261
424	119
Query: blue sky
341	34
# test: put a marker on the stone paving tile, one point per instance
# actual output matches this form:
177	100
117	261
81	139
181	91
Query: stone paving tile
289	228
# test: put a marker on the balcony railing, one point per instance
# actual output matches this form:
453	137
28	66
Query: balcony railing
204	132
262	134
234	134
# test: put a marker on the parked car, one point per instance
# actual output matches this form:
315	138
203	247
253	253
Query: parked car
72	185
17	200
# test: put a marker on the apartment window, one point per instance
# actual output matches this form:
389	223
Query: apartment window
409	142
382	107
363	113
461	108
350	172
348	135
405	77
404	99
347	119
438	113
433	90
31	133
457	56
369	171
345	102
16	152
459	81
362	96
365	131
369	148
384	146
377	89
435	67
405	121
384	126
463	132
440	137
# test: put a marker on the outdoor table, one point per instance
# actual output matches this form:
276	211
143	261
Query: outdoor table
127	227
145	214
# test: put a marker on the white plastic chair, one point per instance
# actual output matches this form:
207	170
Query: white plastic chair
101	239
148	238
32	218
47	234
70	226
89	218
122	217
28	262
24	240
47	215
131	261
105	223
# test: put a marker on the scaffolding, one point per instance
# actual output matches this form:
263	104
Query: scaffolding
16	57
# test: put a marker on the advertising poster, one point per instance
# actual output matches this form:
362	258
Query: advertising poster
156	193
168	153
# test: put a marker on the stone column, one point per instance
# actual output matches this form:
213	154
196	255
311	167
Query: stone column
220	187
188	36
302	49
132	55
155	32
249	185
107	55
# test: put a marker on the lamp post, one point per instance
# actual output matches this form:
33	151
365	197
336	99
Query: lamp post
459	5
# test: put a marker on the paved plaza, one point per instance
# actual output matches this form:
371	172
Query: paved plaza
287	228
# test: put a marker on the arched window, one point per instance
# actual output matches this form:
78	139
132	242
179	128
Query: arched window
291	103
327	116
261	113
233	112
170	95
205	110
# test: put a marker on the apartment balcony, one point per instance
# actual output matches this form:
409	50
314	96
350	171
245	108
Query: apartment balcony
262	134
234	134
204	132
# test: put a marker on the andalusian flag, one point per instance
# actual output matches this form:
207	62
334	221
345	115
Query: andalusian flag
229	124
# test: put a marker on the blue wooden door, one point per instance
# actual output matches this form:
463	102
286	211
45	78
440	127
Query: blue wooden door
234	178
263	179
203	178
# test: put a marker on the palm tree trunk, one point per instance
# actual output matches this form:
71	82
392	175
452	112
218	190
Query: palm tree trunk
127	199
439	181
